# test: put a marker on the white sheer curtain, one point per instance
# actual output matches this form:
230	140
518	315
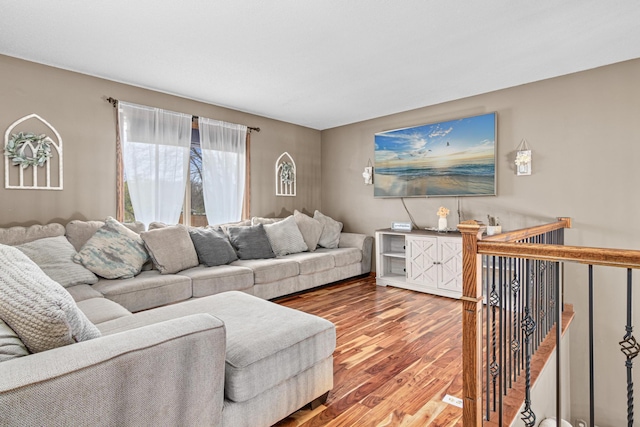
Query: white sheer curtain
155	149
223	169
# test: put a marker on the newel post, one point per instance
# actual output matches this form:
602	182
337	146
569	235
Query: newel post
471	323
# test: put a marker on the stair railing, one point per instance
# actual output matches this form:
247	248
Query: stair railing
528	273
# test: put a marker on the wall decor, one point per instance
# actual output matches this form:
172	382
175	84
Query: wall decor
285	175
523	158
368	173
36	156
451	158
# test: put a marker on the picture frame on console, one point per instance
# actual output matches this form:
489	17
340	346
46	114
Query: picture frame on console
450	158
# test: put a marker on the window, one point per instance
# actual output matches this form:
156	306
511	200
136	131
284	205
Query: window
194	200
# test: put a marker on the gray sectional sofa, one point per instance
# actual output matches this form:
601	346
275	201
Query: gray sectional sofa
198	347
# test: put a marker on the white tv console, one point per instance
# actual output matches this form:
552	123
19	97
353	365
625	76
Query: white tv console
420	260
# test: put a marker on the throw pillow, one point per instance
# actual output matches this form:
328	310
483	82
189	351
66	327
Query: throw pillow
113	252
54	255
213	246
170	248
250	242
10	344
40	311
330	237
264	221
79	232
285	237
310	228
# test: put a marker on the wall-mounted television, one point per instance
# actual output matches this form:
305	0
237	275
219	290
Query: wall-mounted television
452	158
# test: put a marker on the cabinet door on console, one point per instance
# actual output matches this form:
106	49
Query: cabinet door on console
450	252
422	256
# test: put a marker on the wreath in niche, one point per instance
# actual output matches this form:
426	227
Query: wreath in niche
40	146
286	174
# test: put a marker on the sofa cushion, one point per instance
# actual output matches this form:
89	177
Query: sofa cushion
285	237
170	248
17	235
266	343
250	242
213	246
344	256
330	237
310	228
54	255
79	232
10	344
148	289
270	270
100	310
39	310
208	281
83	292
310	263
113	252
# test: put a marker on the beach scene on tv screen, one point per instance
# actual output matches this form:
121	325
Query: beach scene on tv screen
453	158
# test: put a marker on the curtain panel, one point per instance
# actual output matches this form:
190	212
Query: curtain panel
155	149
223	148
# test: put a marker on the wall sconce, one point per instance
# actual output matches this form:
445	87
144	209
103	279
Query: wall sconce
523	158
368	173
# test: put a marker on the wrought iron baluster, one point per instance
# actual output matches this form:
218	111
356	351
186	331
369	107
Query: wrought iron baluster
500	309
494	300
630	348
486	260
591	356
528	327
515	342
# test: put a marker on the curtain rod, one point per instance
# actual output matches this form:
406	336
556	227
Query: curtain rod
114	102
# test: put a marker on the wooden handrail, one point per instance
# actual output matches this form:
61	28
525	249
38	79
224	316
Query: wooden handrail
524	233
473	247
596	256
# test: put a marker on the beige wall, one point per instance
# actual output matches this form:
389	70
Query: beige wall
74	104
584	130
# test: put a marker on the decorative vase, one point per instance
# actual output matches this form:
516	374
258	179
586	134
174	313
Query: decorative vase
442	223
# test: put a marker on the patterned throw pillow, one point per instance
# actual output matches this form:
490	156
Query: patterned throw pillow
213	246
250	242
113	252
40	311
310	228
330	237
54	255
285	237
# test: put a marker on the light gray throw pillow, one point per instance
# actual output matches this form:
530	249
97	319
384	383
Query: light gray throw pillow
250	242
285	237
54	255
10	344
213	246
330	237
40	311
170	248
113	252
310	228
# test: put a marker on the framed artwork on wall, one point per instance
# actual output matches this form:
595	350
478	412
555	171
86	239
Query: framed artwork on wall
451	158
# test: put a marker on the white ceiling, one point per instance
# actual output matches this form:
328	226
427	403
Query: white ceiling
322	63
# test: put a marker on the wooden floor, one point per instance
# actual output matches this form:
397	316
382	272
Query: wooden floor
398	354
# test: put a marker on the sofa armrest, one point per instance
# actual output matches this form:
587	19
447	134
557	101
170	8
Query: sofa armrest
169	373
362	242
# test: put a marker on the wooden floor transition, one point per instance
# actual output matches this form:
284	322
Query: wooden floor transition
398	354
